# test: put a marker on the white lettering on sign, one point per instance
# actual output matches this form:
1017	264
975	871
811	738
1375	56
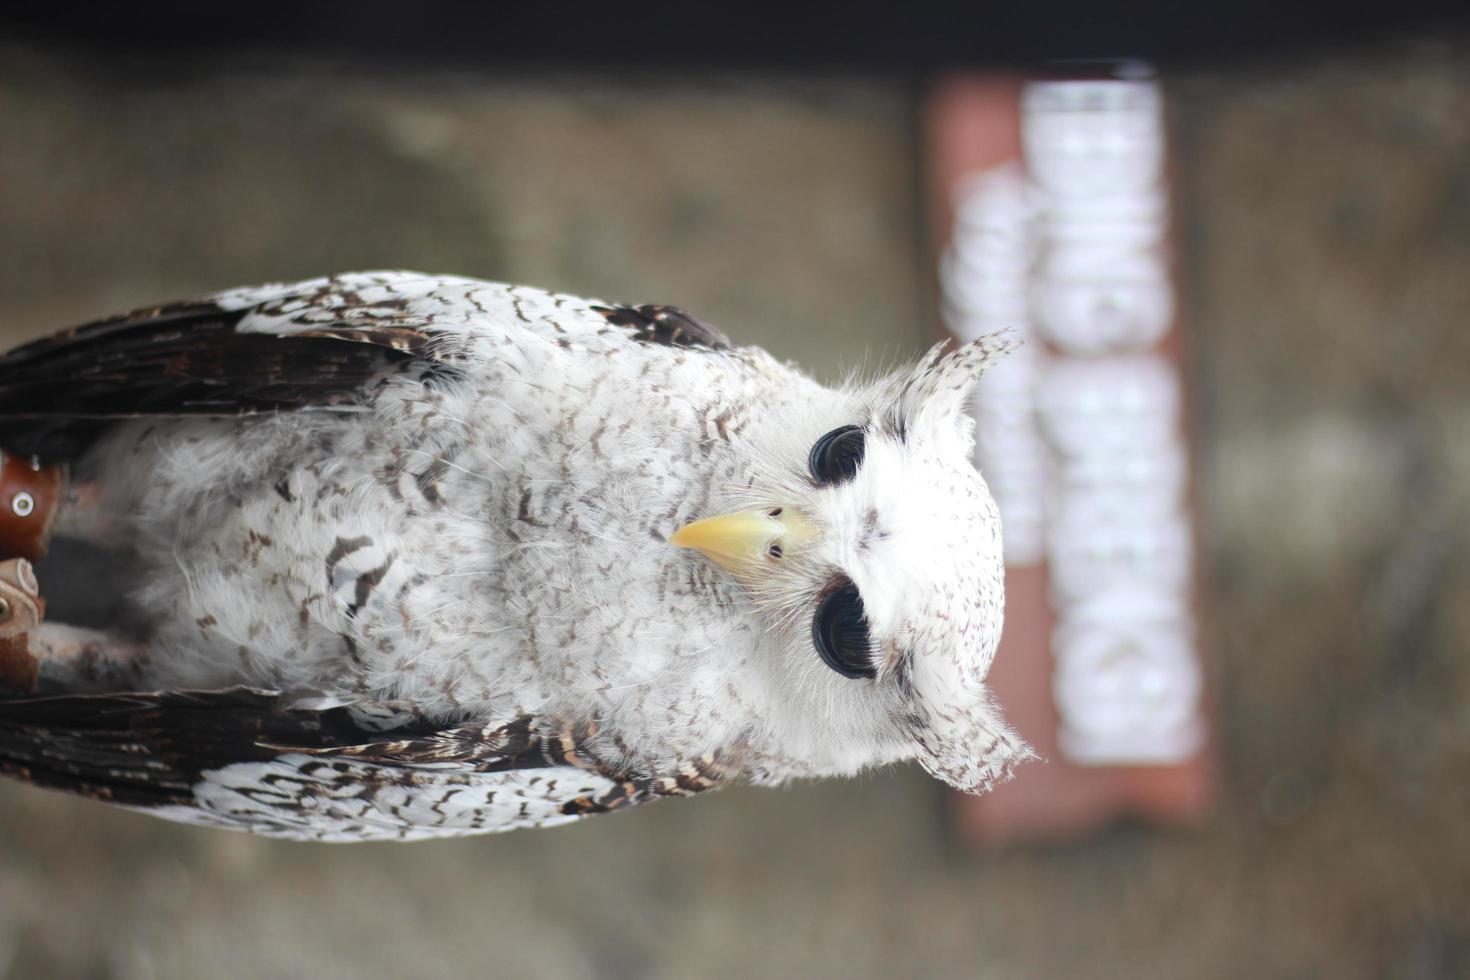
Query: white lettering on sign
1128	681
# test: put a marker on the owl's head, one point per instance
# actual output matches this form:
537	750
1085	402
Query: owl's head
872	548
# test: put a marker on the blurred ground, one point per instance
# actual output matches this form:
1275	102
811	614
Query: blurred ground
1325	235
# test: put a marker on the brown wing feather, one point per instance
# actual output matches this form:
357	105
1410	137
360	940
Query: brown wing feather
667	326
184	359
193	359
165	749
149	749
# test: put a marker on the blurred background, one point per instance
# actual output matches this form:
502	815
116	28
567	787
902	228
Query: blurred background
1322	237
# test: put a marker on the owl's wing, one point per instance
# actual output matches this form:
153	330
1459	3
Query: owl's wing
276	765
312	344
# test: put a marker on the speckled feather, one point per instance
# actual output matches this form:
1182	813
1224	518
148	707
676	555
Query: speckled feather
407	571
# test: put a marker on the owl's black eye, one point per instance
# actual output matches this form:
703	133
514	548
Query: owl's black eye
840	633
837	455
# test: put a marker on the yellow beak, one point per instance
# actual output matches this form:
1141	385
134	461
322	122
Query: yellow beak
744	541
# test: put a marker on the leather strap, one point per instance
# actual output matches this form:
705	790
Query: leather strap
30	496
21	611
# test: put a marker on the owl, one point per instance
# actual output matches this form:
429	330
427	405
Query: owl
396	556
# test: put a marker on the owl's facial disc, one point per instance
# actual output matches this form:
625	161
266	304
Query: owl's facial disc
744	542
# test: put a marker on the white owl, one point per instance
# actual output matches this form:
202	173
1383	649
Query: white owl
419	556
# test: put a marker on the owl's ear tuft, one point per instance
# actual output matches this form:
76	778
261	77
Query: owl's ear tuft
939	385
971	750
